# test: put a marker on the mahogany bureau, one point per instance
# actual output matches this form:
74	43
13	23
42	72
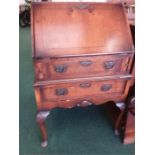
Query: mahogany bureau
82	53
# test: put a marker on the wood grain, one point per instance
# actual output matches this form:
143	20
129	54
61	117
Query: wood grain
83	54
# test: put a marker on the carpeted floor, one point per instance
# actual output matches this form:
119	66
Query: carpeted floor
77	131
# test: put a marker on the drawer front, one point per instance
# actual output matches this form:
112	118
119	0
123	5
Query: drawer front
76	67
74	90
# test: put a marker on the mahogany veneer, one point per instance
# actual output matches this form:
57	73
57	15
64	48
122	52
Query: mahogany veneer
82	53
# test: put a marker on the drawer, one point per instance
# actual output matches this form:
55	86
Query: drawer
86	66
65	94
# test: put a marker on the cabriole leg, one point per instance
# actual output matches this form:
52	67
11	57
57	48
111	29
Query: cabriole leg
121	106
41	118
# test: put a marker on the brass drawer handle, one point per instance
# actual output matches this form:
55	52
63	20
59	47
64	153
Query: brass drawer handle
85	85
61	91
86	63
109	64
60	68
106	87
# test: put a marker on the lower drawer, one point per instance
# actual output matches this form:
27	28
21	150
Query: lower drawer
69	94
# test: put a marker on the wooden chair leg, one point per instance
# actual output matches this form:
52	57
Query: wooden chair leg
41	118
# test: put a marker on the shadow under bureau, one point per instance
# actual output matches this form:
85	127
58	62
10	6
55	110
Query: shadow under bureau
83	55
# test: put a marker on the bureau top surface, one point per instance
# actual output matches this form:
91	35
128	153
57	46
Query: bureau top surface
67	29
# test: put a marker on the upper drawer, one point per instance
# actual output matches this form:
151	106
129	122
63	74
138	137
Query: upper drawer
78	67
67	29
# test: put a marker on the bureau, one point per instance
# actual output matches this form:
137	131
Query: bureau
82	53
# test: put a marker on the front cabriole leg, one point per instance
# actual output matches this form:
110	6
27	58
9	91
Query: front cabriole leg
41	118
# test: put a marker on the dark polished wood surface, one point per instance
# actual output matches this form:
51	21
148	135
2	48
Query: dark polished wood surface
83	55
62	29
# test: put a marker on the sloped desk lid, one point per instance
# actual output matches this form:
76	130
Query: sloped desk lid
66	29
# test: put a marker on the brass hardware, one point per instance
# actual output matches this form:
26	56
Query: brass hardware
86	63
106	87
61	91
84	103
60	68
85	85
82	6
109	64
